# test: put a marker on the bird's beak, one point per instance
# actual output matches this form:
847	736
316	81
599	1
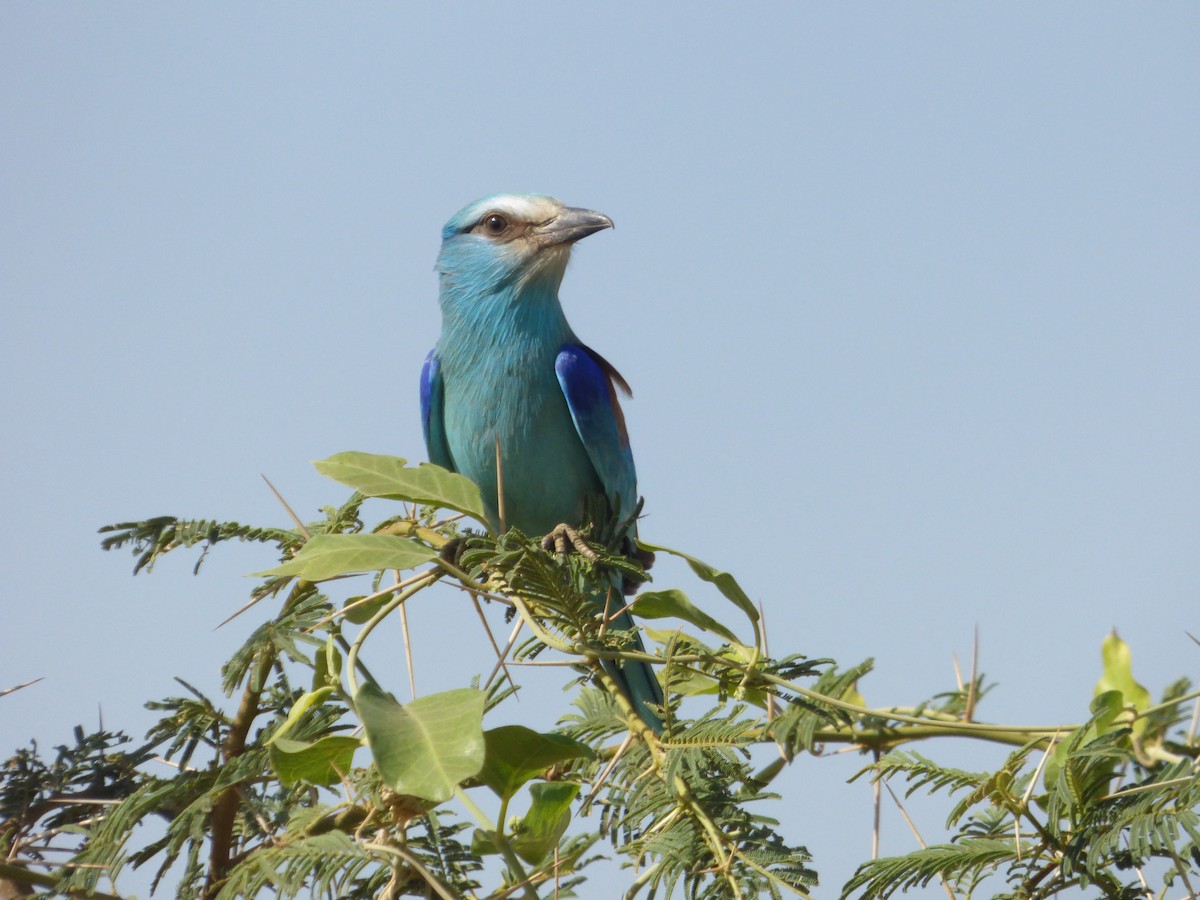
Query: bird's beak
571	225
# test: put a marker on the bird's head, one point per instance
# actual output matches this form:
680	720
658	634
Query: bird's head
511	240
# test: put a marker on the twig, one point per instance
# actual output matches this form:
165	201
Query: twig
363	601
560	663
384	611
415	862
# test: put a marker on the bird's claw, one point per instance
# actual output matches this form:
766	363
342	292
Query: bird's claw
558	540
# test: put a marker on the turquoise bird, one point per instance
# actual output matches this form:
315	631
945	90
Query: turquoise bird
509	378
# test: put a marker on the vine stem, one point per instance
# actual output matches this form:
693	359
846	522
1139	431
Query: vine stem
384	611
430	878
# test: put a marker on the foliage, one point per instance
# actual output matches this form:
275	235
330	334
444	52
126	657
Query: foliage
318	782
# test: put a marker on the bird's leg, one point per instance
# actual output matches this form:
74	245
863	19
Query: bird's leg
558	540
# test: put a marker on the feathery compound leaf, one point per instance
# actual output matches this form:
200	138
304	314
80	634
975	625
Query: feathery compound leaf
880	878
921	772
391	478
329	555
428	747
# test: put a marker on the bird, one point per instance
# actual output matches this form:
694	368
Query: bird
509	380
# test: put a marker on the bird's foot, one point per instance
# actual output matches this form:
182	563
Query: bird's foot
564	536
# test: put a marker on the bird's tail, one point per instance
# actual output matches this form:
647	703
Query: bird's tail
636	679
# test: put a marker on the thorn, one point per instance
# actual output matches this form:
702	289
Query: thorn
1037	773
291	512
913	828
412	680
772	712
970	710
17	687
500	489
512	640
878	814
229	619
608	769
495	646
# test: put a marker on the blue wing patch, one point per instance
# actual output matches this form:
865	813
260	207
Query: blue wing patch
431	413
589	384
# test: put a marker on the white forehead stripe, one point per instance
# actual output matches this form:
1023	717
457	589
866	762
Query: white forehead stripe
523	208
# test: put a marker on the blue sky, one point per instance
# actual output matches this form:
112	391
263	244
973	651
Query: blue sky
907	296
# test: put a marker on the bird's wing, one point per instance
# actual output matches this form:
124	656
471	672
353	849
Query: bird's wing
590	384
431	413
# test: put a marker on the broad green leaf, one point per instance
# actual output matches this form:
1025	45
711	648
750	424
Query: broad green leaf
324	761
484	842
1118	676
515	754
329	555
724	582
362	614
303	704
1105	707
428	747
391	478
536	835
674	603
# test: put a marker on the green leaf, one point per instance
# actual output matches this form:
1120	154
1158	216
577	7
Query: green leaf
428	747
515	754
674	603
324	761
327	666
303	704
484	842
536	835
1118	676
1106	708
389	477
329	555
363	613
723	581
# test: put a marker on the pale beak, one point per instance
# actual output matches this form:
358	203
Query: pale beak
571	225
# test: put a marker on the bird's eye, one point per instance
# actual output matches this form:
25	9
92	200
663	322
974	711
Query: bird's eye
495	224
